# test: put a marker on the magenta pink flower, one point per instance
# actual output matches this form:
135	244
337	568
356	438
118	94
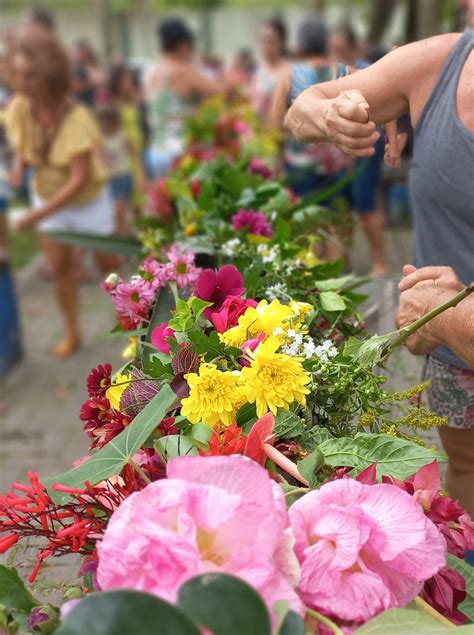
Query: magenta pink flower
215	286
260	167
159	337
228	315
250	345
133	299
253	222
220	514
363	548
181	267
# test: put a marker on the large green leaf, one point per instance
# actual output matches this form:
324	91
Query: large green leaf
13	593
109	244
111	459
126	613
288	425
292	625
224	604
395	457
410	621
332	284
332	301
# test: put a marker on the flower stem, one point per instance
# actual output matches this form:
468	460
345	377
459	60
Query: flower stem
405	333
325	620
139	471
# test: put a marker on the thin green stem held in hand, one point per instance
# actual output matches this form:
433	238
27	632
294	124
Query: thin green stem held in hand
325	620
405	333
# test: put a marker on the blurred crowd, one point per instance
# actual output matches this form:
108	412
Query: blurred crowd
84	140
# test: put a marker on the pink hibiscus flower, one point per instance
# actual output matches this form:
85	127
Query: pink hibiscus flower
181	267
215	286
220	514
253	222
363	548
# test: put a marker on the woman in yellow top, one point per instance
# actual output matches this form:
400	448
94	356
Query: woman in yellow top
59	140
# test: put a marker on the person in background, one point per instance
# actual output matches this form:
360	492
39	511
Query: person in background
311	167
175	88
242	70
432	81
125	94
273	43
423	290
119	154
365	187
88	75
60	140
5	190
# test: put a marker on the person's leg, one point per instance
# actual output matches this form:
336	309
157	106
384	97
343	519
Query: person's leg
458	444
61	262
107	262
373	225
451	395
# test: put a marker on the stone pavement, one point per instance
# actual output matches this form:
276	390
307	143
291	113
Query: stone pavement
40	400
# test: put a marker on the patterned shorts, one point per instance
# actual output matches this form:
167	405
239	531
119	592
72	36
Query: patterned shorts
451	393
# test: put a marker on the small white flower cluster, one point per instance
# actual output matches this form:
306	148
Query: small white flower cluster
268	254
277	290
231	247
325	351
291	266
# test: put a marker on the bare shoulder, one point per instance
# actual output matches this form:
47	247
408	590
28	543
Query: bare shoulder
438	47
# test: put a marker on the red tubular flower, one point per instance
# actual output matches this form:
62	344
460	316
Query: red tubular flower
231	441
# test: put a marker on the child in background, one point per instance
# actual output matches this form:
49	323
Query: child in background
124	92
118	153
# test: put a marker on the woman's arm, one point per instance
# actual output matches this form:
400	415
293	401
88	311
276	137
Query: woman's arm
79	173
346	111
280	99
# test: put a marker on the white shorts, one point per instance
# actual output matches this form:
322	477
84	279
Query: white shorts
95	217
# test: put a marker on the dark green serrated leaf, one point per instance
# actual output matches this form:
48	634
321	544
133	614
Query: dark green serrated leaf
395	457
310	465
13	593
224	604
124	613
288	425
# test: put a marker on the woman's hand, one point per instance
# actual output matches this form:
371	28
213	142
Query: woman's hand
345	120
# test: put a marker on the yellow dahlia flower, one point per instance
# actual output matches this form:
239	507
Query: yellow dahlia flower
115	392
267	318
214	396
274	380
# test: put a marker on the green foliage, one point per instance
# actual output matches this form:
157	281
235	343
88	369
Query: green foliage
110	460
467	571
410	621
309	466
288	425
394	457
187	313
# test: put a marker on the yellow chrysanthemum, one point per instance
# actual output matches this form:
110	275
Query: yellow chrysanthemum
274	380
267	318
115	392
214	396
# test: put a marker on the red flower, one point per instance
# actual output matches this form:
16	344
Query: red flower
196	187
215	286
228	316
231	441
445	591
160	198
167	426
103	422
99	380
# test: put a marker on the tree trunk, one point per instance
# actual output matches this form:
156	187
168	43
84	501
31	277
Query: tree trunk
379	19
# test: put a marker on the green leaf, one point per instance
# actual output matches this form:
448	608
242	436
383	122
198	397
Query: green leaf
410	621
247	413
310	465
288	425
155	367
111	459
201	433
292	492
332	284
292	625
367	352
175	445
467	571
209	346
13	593
395	457
108	244
123	613
224	604
332	301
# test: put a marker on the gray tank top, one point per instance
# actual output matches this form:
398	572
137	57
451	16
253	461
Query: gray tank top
442	180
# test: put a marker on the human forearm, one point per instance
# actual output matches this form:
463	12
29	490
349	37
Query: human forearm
455	329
